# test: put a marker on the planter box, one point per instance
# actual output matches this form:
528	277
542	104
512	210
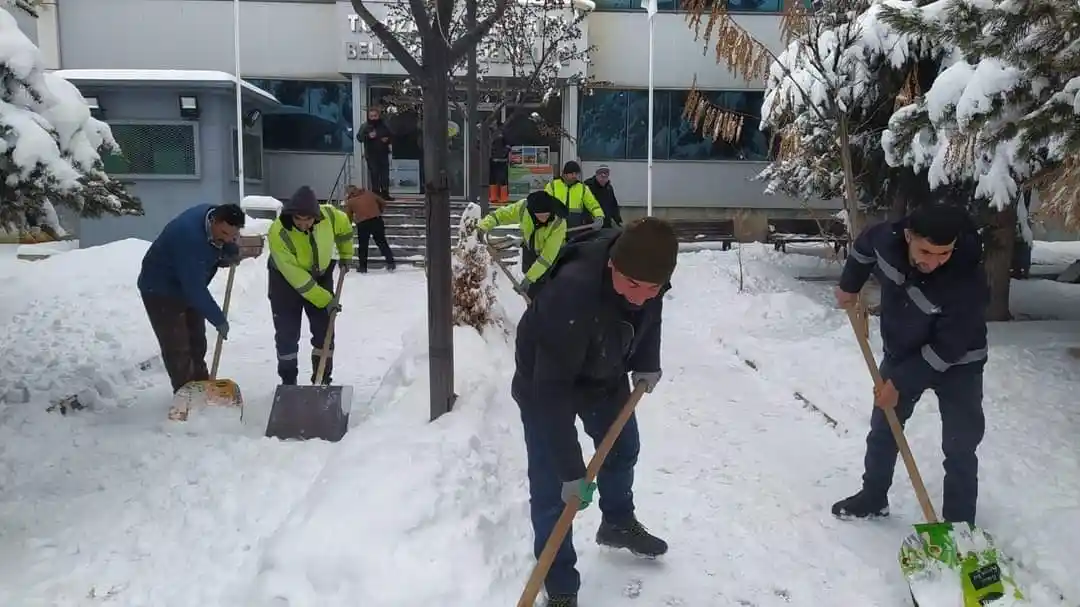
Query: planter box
250	246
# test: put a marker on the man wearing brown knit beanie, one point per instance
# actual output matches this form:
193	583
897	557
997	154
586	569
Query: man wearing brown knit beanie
596	321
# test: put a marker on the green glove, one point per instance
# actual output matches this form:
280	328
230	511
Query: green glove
578	491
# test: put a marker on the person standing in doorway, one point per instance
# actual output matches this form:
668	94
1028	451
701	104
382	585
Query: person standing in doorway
576	197
499	167
365	209
604	193
375	135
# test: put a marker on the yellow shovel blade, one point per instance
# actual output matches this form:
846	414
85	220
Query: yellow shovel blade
215	392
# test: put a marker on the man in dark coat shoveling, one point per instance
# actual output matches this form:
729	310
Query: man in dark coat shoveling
596	320
933	325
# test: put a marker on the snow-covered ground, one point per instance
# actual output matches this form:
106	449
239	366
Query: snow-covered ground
757	428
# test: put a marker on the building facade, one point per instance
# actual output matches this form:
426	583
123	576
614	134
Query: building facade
318	60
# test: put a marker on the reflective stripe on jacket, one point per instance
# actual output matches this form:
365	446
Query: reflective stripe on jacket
543	241
301	257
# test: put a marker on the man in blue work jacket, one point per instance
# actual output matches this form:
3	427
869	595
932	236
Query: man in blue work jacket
933	325
174	284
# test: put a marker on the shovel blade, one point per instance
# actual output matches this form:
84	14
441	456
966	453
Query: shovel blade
214	392
957	565
306	412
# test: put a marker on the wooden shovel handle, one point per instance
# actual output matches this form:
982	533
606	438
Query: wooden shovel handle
506	271
225	312
566	519
863	338
329	339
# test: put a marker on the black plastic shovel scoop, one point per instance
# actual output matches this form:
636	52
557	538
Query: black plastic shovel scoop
316	411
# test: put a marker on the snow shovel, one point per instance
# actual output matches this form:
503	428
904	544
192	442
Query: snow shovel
213	391
316	411
566	519
943	563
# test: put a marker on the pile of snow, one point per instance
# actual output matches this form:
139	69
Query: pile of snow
54	343
441	502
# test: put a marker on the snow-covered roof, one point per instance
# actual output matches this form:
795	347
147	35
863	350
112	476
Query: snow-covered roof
164	76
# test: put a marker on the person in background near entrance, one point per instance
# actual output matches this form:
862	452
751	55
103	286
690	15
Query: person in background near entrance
576	197
542	220
302	241
597	320
375	135
365	209
933	325
604	193
499	167
174	285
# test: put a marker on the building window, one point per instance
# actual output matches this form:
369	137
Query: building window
733	6
253	157
158	149
614	125
315	116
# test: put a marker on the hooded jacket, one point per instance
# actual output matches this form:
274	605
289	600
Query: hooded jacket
302	257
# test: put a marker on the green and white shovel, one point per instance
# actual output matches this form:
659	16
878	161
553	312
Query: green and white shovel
945	564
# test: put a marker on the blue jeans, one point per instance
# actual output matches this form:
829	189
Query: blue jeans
614	483
959	391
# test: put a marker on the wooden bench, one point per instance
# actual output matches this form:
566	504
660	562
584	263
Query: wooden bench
715	230
783	232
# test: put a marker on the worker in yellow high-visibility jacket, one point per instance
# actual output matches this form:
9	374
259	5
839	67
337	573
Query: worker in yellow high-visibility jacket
302	241
576	197
542	221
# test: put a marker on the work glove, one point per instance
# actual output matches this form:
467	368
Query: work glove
334	307
578	492
223	329
523	287
597	223
650	378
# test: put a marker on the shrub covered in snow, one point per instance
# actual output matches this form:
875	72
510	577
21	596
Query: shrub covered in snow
474	279
50	145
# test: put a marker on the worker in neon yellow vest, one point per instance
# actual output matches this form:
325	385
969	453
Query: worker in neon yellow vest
542	220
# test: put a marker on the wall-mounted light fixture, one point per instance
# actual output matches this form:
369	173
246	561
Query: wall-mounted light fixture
252	117
95	108
189	107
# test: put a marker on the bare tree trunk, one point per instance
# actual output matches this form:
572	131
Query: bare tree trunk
1000	240
437	196
851	199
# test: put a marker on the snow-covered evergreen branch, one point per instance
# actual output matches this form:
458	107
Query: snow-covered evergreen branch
50	145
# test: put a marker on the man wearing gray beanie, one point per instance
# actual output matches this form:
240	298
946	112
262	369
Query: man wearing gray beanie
596	321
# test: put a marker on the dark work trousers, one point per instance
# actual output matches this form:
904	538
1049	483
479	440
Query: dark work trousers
376	229
379	174
181	334
959	391
499	173
614	483
288	306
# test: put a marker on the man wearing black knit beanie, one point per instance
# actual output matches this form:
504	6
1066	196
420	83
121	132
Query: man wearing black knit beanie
596	321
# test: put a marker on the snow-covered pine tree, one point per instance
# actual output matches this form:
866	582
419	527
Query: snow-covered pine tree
828	95
1001	112
51	145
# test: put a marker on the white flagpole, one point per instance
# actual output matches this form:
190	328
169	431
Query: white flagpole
239	99
650	8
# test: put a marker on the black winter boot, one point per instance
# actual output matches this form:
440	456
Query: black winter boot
562	600
632	536
862	505
288	374
315	358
